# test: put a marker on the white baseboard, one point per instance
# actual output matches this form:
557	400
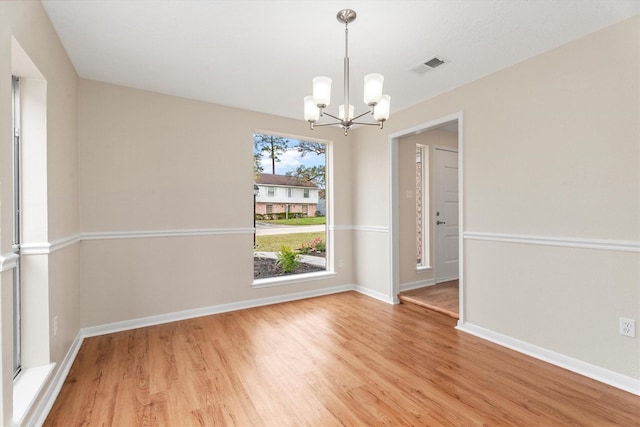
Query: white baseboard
377	295
447	278
206	311
223	308
40	412
611	378
417	285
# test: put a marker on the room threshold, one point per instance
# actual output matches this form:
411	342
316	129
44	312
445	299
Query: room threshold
443	298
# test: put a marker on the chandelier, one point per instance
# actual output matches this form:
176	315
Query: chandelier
378	103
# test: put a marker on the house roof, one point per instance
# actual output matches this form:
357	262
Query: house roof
283	180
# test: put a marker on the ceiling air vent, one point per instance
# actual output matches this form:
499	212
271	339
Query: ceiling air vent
429	65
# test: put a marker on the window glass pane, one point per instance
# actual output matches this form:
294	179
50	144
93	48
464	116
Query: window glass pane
293	215
17	177
419	204
422	206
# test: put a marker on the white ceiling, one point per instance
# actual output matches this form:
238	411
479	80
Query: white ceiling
261	55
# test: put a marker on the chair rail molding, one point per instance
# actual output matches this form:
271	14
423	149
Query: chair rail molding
568	242
8	261
144	234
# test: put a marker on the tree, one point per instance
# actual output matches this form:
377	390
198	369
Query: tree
305	147
313	174
257	167
274	146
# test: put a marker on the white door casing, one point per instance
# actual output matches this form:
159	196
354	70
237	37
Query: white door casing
445	214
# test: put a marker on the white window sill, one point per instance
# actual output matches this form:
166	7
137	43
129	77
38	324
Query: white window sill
26	388
293	278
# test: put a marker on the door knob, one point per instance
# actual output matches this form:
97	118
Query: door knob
440	222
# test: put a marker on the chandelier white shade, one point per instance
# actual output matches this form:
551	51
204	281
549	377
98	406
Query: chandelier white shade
341	112
311	111
373	88
322	91
377	102
381	112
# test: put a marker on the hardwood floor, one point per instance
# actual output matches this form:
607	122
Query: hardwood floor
343	359
443	298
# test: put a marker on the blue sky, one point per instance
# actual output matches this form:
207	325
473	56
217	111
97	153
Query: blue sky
290	160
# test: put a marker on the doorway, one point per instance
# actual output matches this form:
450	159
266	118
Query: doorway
446	213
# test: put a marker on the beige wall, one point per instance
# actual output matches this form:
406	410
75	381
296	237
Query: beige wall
370	172
150	162
550	150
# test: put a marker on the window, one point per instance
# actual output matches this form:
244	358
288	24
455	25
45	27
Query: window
289	225
29	113
422	206
17	288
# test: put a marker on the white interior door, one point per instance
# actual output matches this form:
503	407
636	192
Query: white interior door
446	214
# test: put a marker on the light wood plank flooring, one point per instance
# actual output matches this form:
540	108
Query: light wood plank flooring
343	359
443	297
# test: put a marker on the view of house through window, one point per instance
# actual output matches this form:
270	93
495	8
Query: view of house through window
289	206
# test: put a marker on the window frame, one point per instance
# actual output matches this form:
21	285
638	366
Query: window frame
423	198
329	272
17	228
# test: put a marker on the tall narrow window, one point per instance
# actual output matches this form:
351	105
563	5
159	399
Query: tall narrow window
422	206
291	234
17	288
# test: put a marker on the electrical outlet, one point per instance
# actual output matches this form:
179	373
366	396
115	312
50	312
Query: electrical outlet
55	325
340	263
627	327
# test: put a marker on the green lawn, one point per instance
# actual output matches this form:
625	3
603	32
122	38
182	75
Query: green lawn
294	241
311	220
